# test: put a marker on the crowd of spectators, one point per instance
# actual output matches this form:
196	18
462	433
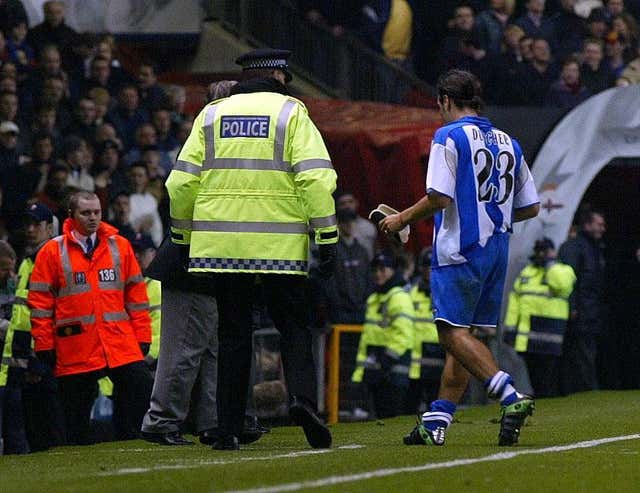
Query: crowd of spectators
526	52
72	117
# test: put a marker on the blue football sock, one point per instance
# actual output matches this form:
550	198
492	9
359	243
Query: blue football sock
440	414
500	386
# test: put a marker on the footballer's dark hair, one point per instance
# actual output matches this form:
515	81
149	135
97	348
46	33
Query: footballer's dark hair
463	89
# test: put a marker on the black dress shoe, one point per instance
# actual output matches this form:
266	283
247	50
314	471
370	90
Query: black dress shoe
228	442
318	435
171	438
252	431
207	437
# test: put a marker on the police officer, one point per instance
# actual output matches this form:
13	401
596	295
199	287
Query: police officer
537	315
384	351
32	384
427	356
252	178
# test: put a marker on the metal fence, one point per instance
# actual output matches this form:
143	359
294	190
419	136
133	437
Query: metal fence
344	67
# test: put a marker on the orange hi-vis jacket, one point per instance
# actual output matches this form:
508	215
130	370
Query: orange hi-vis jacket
93	311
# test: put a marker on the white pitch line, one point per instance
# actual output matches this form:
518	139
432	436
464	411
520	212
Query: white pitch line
379	473
216	462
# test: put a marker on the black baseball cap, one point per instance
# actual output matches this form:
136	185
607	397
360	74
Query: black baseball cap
39	212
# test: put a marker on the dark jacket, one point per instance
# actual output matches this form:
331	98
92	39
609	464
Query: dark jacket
347	290
597	80
169	267
585	256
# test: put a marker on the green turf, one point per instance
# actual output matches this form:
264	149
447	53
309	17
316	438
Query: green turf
608	467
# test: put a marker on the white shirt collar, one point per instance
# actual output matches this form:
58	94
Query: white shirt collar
82	240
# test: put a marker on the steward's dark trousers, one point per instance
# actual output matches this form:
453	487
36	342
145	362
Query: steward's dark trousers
287	303
131	393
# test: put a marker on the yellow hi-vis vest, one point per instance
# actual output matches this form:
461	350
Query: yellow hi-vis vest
427	354
252	178
154	292
538	309
389	325
18	343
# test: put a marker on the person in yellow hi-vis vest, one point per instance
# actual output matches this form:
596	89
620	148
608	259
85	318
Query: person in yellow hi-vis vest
145	251
537	316
384	351
427	357
36	421
252	179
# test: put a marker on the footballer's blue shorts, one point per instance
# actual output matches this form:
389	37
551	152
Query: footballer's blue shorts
471	293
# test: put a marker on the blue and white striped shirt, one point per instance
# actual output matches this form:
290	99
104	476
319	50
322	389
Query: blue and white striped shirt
483	171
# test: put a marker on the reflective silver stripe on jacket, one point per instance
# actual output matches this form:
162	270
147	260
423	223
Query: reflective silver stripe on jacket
187	167
115	316
535	293
323	222
19	300
115	257
15	362
308	164
248	264
281	129
266	165
84	319
40	287
544	337
70	287
208	129
135	307
429	361
424	320
135	279
401	369
250	227
155	308
250	164
36	313
181	223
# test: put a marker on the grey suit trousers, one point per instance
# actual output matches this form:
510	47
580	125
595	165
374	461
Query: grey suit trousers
188	352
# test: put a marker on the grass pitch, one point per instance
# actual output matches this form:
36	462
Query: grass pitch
370	457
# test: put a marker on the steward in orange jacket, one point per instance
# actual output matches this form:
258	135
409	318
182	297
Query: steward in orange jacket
90	316
93	311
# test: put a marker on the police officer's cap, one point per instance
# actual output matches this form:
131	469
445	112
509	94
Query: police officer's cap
385	258
544	244
266	59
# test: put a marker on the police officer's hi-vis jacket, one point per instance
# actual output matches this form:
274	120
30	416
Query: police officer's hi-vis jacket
252	178
388	328
17	349
427	354
538	309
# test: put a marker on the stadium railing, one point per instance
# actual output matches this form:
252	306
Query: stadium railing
342	66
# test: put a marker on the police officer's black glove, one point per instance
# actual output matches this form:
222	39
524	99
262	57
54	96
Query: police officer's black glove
184	257
144	347
327	264
47	361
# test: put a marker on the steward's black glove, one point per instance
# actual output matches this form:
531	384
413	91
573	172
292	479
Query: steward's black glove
327	264
144	347
47	361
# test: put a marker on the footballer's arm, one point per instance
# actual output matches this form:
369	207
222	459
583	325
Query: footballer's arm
426	207
524	213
